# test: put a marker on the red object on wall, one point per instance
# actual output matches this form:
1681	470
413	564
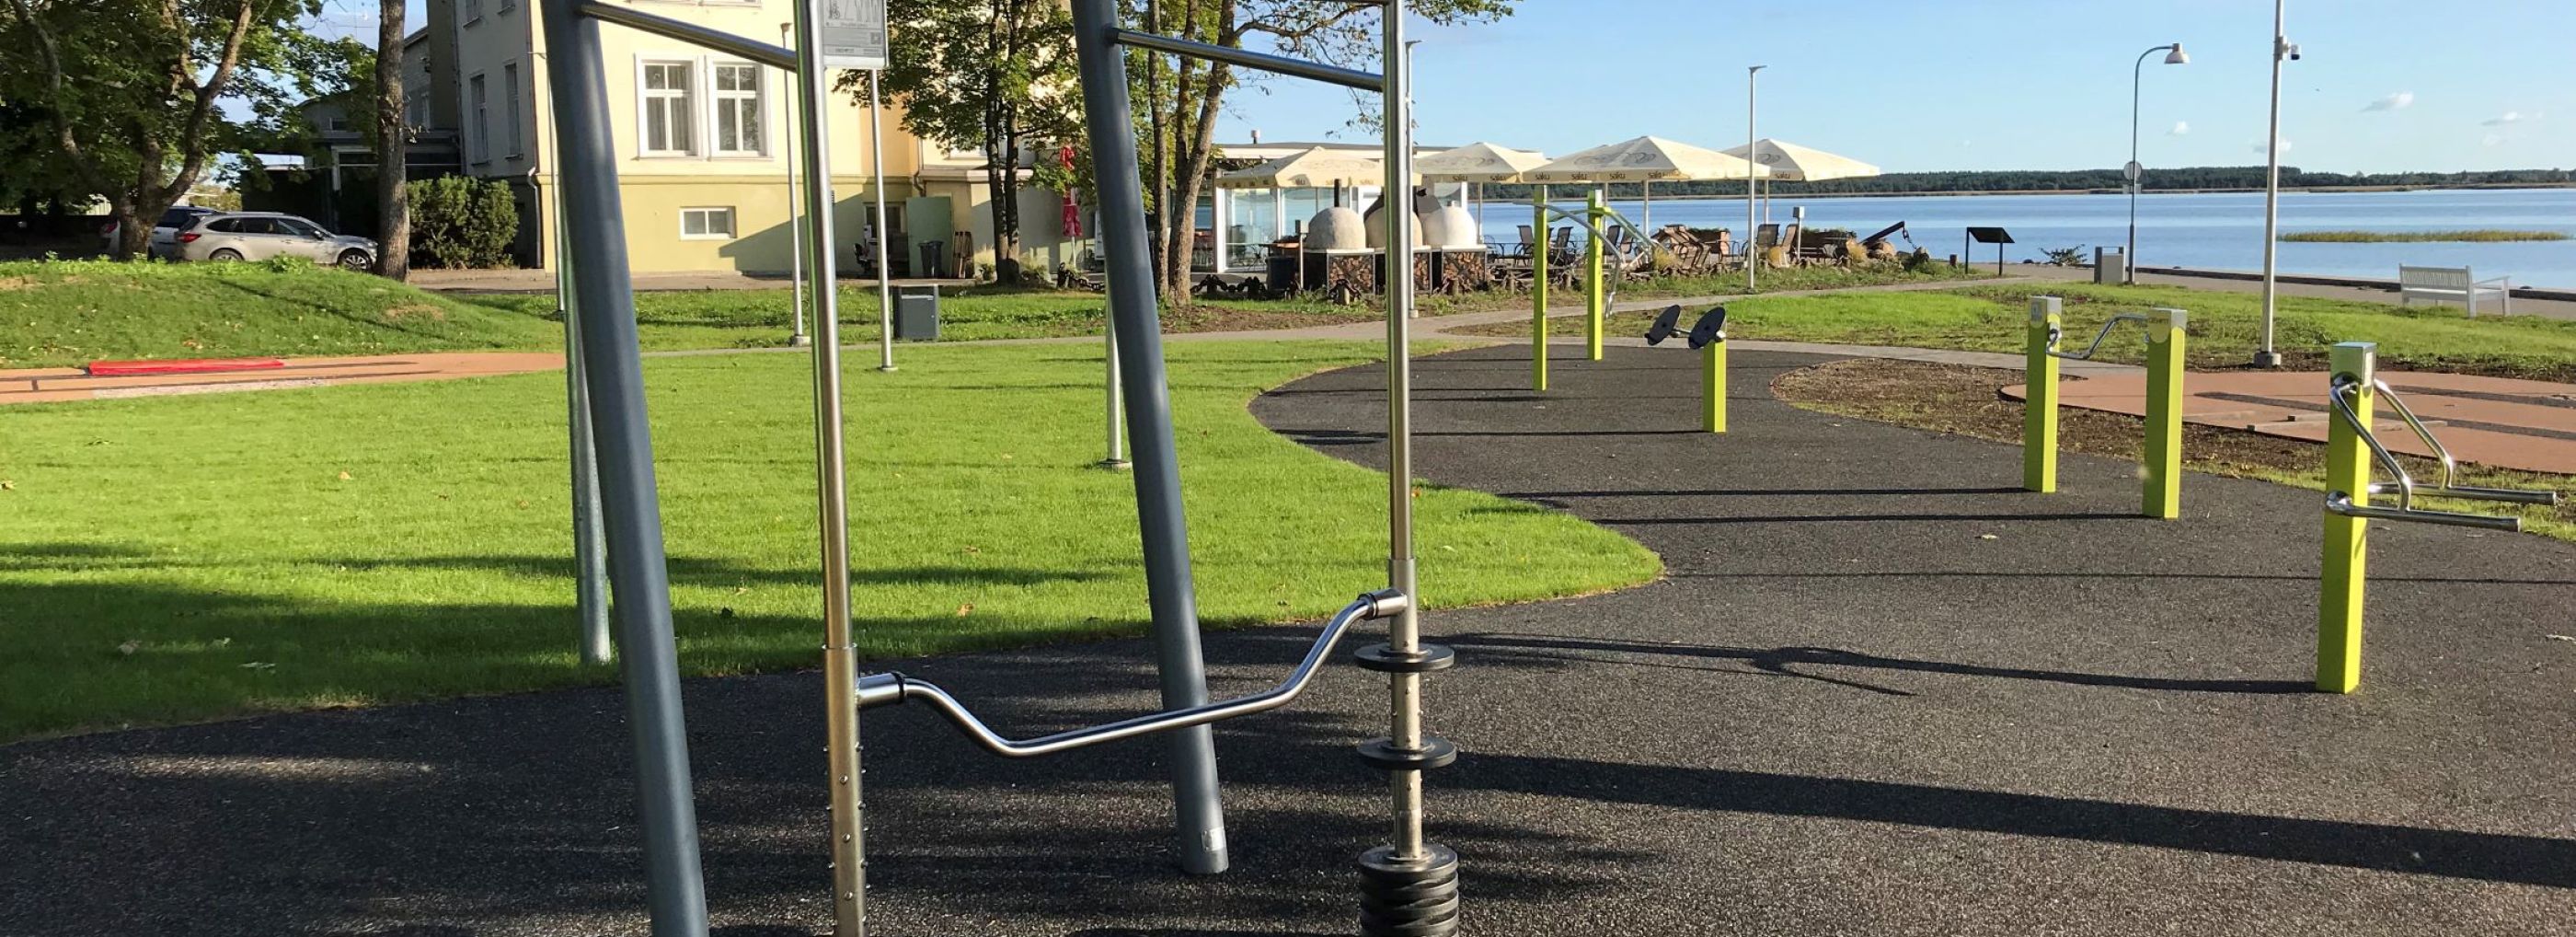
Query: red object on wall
1072	201
180	366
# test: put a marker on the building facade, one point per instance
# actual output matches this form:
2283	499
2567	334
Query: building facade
703	142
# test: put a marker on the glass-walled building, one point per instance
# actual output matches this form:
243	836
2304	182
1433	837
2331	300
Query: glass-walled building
1253	218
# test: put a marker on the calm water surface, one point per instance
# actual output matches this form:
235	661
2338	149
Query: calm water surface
2220	231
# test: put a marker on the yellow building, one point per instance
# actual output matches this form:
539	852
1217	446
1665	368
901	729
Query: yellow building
703	142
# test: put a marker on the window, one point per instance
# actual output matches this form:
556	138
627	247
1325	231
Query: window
669	113
706	224
480	144
510	93
473	11
416	108
508	5
738	110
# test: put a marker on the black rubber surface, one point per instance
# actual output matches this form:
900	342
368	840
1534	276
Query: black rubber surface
1845	712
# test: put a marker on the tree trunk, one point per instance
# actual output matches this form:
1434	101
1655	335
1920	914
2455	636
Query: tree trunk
393	141
133	230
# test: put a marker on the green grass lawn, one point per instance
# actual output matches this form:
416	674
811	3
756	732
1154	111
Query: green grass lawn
62	313
189	558
2223	326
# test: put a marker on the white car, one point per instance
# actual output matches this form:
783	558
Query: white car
164	234
261	235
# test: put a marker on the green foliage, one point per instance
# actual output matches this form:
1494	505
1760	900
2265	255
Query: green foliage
2378	237
2063	256
459	221
190	558
1918	261
993	76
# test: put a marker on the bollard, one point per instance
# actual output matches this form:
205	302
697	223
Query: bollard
2162	498
1596	298
1712	382
2039	407
2347	540
1538	290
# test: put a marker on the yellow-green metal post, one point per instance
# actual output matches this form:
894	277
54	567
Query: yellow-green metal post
2039	413
2162	498
1538	290
1712	385
1596	295
2347	546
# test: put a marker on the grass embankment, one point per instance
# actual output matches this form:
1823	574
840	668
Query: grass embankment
2385	237
189	558
2223	326
62	313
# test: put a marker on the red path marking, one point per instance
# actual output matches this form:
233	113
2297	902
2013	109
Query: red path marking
181	366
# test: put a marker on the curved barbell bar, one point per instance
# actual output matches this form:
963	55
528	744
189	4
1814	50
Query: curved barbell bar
2341	394
2055	333
886	689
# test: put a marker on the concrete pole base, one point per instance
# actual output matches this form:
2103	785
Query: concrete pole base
799	341
2267	359
1114	465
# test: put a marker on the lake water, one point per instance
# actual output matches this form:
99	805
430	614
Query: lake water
2219	231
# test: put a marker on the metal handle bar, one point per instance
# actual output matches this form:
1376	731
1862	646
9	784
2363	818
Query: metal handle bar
2340	394
2405	487
2472	493
2340	503
2055	333
2450	466
885	689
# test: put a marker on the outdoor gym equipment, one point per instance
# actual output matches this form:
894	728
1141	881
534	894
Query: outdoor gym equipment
2353	392
1409	888
1596	219
1708	337
2162	493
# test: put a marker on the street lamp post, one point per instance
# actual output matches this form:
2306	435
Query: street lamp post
2265	355
2137	76
1752	241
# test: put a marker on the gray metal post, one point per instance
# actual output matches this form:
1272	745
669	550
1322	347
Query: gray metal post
795	228
675	888
1405	633
885	274
831	477
1117	448
1149	412
589	549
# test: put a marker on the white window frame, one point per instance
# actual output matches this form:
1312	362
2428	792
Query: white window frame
732	223
688	109
510	94
478	128
717	99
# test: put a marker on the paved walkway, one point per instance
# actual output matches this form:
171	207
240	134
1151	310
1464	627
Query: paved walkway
1879	692
52	385
2368	292
2489	420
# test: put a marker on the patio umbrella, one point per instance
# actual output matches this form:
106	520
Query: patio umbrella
1312	169
1645	160
1477	163
1796	163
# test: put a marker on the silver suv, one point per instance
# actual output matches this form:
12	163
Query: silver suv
262	235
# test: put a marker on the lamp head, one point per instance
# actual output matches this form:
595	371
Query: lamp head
2176	57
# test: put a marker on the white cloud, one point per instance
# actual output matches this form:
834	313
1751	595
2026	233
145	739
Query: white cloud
2508	117
2395	102
2180	128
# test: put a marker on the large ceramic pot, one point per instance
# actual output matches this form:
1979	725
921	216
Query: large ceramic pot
1451	228
1377	228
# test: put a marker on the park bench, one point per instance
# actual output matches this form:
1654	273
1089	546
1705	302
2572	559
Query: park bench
2451	283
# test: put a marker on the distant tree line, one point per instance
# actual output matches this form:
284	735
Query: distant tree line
2085	180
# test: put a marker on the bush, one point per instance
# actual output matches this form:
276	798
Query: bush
1918	261
458	221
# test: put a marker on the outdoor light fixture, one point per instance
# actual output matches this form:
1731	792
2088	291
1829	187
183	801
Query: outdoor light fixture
2134	170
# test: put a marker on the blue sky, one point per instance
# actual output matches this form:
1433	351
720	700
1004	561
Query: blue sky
1996	84
1980	84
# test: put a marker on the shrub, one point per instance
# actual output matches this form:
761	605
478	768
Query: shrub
458	221
1918	261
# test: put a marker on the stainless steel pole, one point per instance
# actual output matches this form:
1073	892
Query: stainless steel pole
589	549
1132	310
831	484
1117	449
675	887
1752	155
885	274
1404	634
2265	355
795	230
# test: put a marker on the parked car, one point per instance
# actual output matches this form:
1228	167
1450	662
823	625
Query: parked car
164	233
262	235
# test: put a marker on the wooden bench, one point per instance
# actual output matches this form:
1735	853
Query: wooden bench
2455	284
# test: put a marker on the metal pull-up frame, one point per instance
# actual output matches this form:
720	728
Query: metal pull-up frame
1410	887
2353	390
2160	494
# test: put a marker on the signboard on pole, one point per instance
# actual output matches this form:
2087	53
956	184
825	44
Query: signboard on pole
854	34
